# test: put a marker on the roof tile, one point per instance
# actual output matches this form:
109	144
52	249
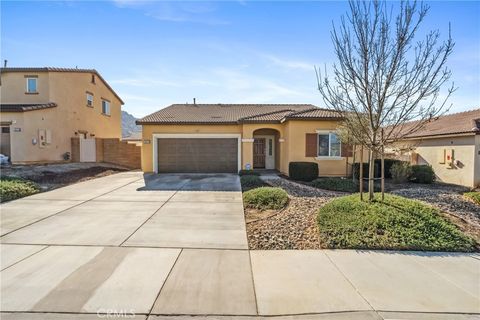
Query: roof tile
231	113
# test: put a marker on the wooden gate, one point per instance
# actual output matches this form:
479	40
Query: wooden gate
87	150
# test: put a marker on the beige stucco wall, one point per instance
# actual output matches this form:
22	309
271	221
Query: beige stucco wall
429	151
68	91
291	149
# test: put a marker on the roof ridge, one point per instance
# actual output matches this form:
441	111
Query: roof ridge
244	104
264	114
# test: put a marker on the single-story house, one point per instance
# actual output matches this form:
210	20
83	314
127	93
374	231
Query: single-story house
450	144
230	137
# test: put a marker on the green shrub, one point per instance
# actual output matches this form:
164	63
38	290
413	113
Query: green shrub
250	182
14	188
401	172
397	223
265	198
356	170
248	173
336	184
475	196
422	174
388	163
303	171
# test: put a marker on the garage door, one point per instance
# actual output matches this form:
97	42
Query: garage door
192	155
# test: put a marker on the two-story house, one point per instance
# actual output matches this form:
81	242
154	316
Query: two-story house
42	109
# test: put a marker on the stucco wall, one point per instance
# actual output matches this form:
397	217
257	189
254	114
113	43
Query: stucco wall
68	91
291	149
429	152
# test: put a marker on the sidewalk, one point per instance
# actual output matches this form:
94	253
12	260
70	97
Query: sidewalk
324	284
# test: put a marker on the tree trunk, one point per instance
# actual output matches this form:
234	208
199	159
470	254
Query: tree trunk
360	175
371	173
383	175
353	161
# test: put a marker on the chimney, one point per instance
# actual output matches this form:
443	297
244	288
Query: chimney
194	101
5	63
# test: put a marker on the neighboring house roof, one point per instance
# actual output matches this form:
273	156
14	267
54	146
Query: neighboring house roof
26	107
53	69
230	113
456	123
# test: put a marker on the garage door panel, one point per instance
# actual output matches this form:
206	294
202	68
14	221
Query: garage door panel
190	155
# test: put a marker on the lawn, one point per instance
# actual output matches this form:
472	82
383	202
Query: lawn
13	188
397	223
474	196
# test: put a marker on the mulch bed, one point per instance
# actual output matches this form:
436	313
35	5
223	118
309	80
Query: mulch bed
53	176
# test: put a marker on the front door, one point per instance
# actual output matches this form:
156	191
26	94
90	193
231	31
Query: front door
259	153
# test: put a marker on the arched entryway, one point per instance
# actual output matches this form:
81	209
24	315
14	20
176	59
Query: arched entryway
266	149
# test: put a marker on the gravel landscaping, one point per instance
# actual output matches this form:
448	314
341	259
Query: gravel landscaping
449	199
295	226
51	176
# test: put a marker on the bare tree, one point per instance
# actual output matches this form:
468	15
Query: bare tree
383	80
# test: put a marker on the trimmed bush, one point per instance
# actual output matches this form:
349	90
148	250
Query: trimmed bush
250	182
422	174
395	224
377	168
14	188
475	196
248	173
336	184
401	172
356	170
265	198
303	171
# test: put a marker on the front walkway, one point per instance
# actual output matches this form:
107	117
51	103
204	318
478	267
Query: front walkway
156	245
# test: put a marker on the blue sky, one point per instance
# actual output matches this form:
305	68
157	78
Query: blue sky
157	53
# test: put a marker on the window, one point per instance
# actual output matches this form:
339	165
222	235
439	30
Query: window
106	107
31	85
329	145
93	78
270	147
89	99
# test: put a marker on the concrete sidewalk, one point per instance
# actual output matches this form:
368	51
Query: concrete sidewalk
133	247
343	284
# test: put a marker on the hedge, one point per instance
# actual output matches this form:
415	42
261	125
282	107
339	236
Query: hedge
303	171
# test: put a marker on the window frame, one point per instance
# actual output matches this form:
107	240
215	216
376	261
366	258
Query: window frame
329	157
89	94
107	103
27	79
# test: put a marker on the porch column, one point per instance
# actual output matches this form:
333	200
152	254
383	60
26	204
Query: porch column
247	153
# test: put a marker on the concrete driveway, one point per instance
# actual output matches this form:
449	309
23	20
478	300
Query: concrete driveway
170	246
129	209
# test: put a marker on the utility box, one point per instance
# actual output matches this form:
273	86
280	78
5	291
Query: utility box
450	157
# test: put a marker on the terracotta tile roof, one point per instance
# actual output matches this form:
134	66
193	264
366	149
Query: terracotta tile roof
26	107
315	113
228	113
456	123
275	116
53	69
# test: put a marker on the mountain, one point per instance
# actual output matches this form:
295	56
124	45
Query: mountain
128	124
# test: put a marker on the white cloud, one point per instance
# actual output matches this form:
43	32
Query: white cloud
145	82
176	11
289	64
